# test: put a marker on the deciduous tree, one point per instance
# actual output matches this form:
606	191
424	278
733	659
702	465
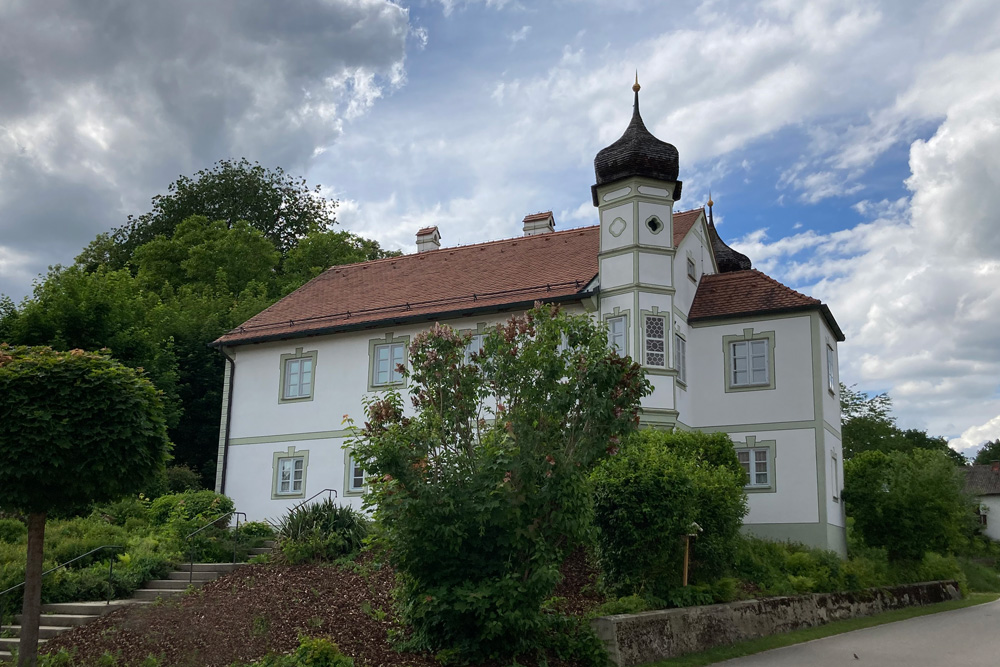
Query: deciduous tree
75	427
482	493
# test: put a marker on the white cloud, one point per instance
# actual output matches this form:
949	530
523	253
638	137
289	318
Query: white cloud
519	35
977	435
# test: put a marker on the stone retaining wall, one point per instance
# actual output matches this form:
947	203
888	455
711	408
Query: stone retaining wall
635	639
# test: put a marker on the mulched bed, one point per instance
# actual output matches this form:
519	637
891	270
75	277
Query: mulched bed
261	608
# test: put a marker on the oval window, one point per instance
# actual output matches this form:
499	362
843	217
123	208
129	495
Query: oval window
654	225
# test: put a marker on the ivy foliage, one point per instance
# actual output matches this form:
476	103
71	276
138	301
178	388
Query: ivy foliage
652	494
483	492
80	426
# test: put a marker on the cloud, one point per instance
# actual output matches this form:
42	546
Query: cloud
519	35
103	108
916	287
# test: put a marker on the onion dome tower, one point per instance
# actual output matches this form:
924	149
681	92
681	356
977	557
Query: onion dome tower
637	153
635	190
726	258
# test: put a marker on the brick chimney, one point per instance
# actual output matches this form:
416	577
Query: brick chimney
539	223
428	238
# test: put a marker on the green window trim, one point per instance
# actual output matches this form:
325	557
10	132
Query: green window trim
654	224
282	376
349	489
373	345
290	453
751	444
619	312
655	312
727	350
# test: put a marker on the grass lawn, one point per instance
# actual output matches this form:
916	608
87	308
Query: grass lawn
837	627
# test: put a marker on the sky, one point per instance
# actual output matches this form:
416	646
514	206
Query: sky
852	147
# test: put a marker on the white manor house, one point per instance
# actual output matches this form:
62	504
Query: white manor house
725	347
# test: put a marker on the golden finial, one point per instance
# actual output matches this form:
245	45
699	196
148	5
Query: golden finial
636	86
710	202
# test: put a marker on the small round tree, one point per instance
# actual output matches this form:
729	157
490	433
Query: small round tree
75	427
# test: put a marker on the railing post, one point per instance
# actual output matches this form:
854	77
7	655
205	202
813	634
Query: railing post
111	569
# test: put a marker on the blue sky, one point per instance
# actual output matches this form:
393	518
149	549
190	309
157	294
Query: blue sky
850	146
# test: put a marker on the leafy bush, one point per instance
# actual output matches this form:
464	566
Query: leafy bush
322	531
649	496
979	577
122	511
189	505
257	529
12	531
478	513
908	503
316	652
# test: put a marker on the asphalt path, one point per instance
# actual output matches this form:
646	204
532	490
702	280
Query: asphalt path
967	637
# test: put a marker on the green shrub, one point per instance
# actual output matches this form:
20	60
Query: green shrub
648	497
630	604
189	505
322	531
12	531
908	502
316	652
124	510
483	492
257	529
181	478
980	578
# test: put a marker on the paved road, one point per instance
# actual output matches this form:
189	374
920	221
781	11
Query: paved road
967	637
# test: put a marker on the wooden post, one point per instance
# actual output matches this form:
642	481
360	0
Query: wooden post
687	548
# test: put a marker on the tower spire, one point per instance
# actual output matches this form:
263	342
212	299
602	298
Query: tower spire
635	89
711	218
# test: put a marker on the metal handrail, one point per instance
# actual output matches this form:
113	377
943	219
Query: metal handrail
332	492
212	522
111	567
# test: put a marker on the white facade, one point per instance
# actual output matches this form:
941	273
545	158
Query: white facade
766	376
990	507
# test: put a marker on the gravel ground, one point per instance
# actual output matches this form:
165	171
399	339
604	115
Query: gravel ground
261	608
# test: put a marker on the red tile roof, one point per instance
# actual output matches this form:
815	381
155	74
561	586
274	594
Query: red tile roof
449	281
750	293
537	216
547	267
683	222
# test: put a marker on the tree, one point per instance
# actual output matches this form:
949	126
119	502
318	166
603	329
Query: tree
868	425
989	453
907	502
481	495
75	427
282	208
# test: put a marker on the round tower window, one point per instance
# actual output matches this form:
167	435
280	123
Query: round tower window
654	225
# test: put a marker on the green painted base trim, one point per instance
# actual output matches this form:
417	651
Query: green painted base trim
819	535
292	437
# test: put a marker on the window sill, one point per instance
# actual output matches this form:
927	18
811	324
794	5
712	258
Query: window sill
682	384
354	494
748	387
295	399
288	496
759	489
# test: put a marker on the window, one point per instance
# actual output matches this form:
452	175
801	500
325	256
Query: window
757	466
289	473
356	475
474	346
692	271
298	378
388	359
616	334
830	363
750	363
655	341
680	358
835	478
297	375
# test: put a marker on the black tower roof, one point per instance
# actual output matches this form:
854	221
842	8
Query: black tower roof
637	153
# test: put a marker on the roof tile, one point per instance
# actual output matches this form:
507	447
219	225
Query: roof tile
744	293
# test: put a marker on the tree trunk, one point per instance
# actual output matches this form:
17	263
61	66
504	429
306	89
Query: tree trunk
31	612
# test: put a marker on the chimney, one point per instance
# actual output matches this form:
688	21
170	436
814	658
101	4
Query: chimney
539	223
428	238
995	466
